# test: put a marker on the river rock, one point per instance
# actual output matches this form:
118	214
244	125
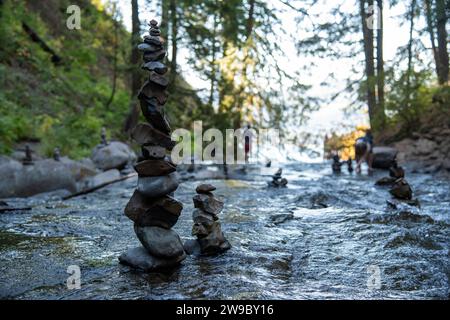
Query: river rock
153	113
384	157
115	155
385	181
150	168
46	175
192	246
151	90
201	216
205	188
401	190
155	66
145	134
159	79
156	40
153	152
101	178
214	242
152	56
159	186
140	259
162	212
208	203
424	147
160	242
146	47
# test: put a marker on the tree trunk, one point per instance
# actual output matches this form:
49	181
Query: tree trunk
213	66
163	26
442	41
369	64
430	27
174	33
115	48
410	53
380	64
133	114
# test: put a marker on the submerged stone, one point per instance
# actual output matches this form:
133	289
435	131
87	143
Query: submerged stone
141	259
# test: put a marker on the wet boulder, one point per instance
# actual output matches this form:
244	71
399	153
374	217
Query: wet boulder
42	176
384	157
101	179
115	155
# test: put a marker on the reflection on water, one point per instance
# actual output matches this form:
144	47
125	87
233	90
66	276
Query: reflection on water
316	239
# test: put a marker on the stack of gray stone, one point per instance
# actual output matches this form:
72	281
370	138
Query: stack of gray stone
152	207
210	238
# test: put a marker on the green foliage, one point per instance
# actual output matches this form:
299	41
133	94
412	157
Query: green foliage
64	105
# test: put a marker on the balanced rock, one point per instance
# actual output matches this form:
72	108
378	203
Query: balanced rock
385	181
145	134
214	242
153	113
160	242
151	90
152	56
140	258
150	168
159	79
154	187
208	203
401	189
155	66
205	188
162	212
153	152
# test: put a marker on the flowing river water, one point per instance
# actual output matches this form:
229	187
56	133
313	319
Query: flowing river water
323	237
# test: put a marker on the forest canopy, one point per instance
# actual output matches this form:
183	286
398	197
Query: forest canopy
61	86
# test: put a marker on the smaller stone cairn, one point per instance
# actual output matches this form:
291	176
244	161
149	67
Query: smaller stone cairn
28	160
277	180
103	141
401	189
336	164
210	238
56	154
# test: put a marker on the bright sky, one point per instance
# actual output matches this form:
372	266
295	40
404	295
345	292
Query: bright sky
329	117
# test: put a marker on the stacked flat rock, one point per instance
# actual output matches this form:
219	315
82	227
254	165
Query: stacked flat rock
152	208
210	238
277	180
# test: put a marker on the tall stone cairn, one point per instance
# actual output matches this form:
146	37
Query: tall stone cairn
152	207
